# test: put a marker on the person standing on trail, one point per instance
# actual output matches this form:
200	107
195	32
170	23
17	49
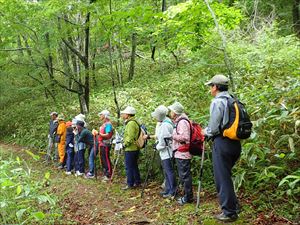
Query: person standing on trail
69	148
61	140
225	151
83	137
104	140
53	124
181	138
131	133
163	134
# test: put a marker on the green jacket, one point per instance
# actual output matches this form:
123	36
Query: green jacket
131	134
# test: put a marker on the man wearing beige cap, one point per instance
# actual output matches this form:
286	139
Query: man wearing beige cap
225	151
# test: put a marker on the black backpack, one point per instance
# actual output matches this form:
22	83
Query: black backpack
239	125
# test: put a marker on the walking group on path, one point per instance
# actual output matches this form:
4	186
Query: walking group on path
173	136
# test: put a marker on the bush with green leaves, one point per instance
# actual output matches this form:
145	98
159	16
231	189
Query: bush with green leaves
23	199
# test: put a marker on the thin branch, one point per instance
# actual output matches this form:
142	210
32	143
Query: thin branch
75	51
14	49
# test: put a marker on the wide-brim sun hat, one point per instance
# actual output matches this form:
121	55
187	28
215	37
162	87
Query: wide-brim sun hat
218	79
80	117
177	108
160	113
129	110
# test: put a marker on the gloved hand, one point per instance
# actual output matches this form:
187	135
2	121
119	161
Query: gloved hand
71	145
48	135
94	132
154	146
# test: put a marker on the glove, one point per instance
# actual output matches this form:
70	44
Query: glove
71	145
94	132
154	146
75	132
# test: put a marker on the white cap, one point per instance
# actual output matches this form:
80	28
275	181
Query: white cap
129	110
160	113
53	113
177	108
104	113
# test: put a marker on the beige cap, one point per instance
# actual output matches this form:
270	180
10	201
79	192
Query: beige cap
177	108
218	79
129	110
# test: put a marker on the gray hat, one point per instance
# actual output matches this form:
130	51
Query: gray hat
53	113
160	113
218	79
176	107
129	110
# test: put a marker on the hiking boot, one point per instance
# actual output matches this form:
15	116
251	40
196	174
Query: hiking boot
68	173
89	175
105	179
222	217
182	201
162	193
168	196
60	166
126	188
78	174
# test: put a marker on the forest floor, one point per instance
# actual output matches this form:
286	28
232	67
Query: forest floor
91	201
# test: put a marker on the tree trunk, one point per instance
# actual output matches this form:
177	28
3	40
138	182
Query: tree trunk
296	16
132	58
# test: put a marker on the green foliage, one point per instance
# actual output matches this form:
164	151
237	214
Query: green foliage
22	199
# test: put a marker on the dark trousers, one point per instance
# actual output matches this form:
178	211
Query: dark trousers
79	161
132	169
105	160
70	158
225	154
170	186
185	176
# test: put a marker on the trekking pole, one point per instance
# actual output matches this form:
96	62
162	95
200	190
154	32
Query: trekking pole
95	159
150	164
199	182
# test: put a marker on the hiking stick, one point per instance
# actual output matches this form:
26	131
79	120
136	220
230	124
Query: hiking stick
95	159
150	164
199	182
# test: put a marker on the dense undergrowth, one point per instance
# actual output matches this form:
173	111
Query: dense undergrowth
266	74
23	199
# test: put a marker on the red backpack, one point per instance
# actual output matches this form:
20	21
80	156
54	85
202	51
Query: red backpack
196	140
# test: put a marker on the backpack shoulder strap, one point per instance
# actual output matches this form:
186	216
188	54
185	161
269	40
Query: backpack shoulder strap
191	127
138	126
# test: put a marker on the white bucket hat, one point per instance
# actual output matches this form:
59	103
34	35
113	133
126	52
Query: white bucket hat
80	117
177	108
129	110
104	113
160	113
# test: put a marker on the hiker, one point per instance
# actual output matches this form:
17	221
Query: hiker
131	134
181	139
69	148
225	151
83	137
163	134
104	140
53	124
61	140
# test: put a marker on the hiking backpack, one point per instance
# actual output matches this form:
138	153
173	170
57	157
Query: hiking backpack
196	145
140	141
239	125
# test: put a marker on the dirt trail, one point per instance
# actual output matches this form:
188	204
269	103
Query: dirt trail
85	201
